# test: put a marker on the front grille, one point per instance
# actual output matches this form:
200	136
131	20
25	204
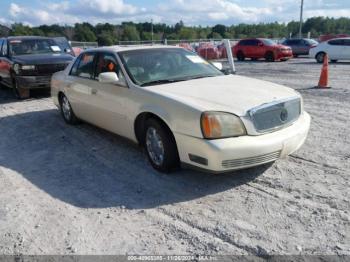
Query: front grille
251	161
50	68
276	115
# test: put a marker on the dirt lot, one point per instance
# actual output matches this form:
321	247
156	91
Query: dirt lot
81	190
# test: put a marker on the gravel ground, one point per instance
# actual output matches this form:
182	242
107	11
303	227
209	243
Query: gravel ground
81	190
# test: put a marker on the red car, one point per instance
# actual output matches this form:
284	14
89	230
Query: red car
257	48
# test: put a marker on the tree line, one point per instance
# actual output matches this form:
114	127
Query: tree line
109	34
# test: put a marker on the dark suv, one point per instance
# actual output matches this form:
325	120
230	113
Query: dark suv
28	62
300	46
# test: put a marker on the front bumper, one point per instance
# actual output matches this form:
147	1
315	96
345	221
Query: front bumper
33	82
235	153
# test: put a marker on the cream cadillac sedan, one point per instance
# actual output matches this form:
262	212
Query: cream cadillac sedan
181	108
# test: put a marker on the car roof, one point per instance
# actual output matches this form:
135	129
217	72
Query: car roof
338	38
117	48
26	37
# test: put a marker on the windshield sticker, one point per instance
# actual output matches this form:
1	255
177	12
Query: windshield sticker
15	42
55	48
196	59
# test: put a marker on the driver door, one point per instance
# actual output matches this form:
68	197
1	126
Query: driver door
110	101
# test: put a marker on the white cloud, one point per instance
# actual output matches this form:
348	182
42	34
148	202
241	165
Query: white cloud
107	7
192	12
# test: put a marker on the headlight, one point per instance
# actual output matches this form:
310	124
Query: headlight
220	125
16	68
28	67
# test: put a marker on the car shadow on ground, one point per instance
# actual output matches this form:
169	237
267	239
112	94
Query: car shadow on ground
90	168
7	95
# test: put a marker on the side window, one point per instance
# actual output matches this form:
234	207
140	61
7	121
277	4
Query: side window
107	62
336	42
75	66
243	43
254	42
3	47
1	41
85	67
347	42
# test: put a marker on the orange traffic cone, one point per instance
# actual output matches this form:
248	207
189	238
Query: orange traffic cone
323	83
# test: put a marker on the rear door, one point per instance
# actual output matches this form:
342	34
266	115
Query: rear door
81	84
250	48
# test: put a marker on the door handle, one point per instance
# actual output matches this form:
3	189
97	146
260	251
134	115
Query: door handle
93	91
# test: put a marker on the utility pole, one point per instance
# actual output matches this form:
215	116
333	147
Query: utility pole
152	30
301	19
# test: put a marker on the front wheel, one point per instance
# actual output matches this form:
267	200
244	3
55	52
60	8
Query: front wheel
160	146
67	111
20	93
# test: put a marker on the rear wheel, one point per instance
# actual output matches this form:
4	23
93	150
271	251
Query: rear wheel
240	56
160	146
334	61
67	111
320	57
270	57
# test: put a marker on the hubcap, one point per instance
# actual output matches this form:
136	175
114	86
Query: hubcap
66	108
320	57
155	146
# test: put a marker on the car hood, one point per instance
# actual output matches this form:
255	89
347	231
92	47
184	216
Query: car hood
40	59
231	93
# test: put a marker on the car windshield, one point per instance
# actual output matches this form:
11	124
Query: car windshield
33	46
149	67
268	42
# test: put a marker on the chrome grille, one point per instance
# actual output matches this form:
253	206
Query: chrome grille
250	161
275	115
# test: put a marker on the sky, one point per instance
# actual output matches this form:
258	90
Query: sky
191	12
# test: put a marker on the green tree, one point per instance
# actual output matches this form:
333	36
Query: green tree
84	33
130	33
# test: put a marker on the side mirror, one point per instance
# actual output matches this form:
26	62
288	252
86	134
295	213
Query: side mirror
108	78
218	65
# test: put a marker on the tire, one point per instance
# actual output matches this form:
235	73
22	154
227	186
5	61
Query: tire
254	59
320	57
160	146
334	61
295	56
67	111
240	56
19	93
270	57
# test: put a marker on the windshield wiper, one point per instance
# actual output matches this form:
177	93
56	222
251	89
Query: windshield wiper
167	81
161	81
